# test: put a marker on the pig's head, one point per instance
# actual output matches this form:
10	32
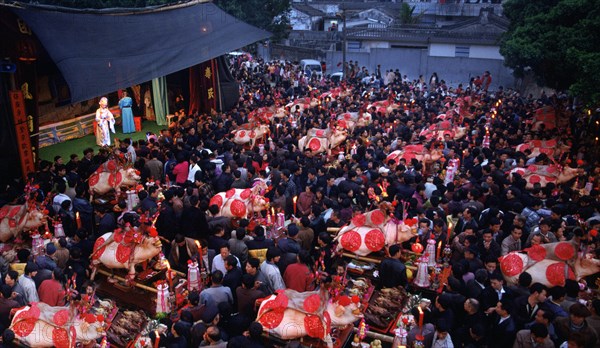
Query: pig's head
586	266
131	176
263	129
436	155
149	247
397	233
569	173
338	136
459	132
344	311
35	219
259	203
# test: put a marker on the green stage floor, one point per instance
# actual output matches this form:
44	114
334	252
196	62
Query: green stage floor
76	146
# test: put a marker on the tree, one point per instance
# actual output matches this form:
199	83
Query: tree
558	41
407	14
271	15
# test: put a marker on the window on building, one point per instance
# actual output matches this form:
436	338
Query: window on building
354	45
462	51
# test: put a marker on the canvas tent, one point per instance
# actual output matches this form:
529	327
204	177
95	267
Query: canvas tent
100	51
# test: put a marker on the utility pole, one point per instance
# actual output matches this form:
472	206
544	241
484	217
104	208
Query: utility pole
343	43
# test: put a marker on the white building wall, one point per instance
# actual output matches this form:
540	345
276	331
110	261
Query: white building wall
475	51
441	50
486	52
375	44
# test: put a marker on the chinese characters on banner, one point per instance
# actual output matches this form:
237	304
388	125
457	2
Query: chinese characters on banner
208	84
22	131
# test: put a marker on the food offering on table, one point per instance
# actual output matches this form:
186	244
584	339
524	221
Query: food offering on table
107	308
293	315
360	267
384	307
126	326
372	231
40	325
360	287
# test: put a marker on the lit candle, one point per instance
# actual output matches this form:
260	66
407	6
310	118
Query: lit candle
169	276
199	253
439	250
78	220
295	200
449	231
156	339
273	211
421	317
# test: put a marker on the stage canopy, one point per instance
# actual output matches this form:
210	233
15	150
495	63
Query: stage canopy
100	51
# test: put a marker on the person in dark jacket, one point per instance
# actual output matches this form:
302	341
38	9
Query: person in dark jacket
233	277
503	327
565	327
167	224
259	242
289	248
392	272
193	220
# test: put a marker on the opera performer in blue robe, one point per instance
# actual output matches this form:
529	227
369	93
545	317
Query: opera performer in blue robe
126	114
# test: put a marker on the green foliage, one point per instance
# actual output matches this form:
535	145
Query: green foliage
557	40
271	15
407	14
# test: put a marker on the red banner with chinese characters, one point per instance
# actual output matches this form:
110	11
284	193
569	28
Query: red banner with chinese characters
208	83
22	131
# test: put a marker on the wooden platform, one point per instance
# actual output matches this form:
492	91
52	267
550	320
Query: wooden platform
128	298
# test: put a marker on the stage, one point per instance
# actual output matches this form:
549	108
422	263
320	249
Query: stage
76	146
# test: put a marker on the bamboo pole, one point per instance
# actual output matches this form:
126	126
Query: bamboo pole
141	286
368	259
378	336
361	258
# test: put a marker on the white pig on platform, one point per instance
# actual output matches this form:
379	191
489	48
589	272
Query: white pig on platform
240	203
15	219
41	325
544	174
292	315
102	182
550	264
249	134
125	249
372	231
322	140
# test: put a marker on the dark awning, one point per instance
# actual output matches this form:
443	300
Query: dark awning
101	51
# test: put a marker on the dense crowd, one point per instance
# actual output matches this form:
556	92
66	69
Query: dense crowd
194	158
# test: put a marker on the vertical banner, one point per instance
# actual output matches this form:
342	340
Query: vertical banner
22	132
161	100
29	87
195	89
209	89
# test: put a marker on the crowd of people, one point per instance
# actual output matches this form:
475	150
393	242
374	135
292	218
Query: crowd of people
187	163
